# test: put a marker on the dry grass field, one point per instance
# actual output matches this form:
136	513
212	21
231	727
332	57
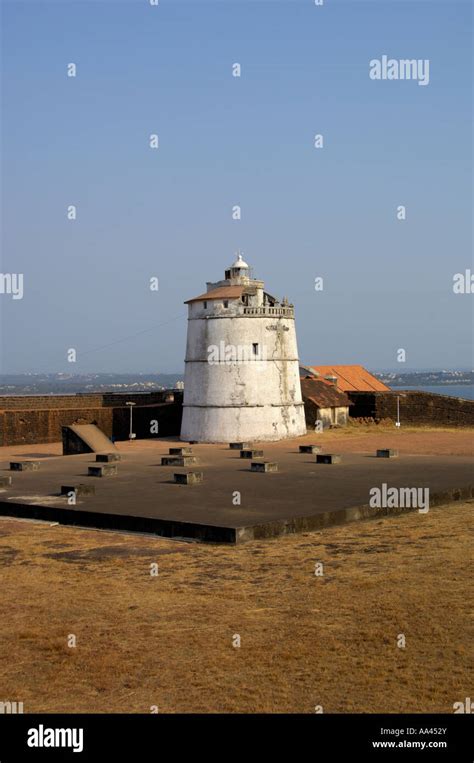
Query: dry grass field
306	640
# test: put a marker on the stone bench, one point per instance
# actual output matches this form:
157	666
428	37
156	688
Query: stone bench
5	481
264	466
328	458
239	445
107	457
106	470
24	466
310	448
178	460
251	453
185	451
78	489
188	478
387	453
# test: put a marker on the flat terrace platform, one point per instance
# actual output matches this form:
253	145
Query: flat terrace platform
301	496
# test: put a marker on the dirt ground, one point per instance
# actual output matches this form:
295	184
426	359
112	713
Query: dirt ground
167	640
354	438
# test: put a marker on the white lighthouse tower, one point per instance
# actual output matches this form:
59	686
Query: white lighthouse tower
242	370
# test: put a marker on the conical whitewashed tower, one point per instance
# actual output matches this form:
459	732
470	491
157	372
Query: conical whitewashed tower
242	371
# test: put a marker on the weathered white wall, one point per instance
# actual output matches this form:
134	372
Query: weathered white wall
255	400
242	424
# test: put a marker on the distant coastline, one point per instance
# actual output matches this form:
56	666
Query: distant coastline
464	391
456	383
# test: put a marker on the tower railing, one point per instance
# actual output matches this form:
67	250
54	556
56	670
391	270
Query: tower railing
282	311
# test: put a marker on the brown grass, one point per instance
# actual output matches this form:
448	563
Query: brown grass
442	441
305	640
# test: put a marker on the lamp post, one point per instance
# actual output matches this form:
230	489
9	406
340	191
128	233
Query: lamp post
397	423
131	435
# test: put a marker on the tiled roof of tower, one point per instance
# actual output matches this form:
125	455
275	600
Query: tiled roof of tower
222	292
352	378
323	393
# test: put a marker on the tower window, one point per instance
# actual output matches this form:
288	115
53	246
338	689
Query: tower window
205	305
255	348
226	303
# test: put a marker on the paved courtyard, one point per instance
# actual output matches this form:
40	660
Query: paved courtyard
233	503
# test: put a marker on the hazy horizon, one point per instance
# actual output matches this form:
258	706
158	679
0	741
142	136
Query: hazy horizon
165	372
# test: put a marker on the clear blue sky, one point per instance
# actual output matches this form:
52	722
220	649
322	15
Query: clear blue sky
226	141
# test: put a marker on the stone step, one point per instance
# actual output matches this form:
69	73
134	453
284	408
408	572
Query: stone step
264	466
183	451
78	489
240	445
310	448
387	453
24	466
328	458
106	470
251	453
188	478
108	457
178	460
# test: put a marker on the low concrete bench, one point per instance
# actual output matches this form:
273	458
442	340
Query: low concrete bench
264	466
5	481
24	466
251	453
107	458
106	470
188	478
178	460
328	458
239	445
387	453
185	451
78	489
310	448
